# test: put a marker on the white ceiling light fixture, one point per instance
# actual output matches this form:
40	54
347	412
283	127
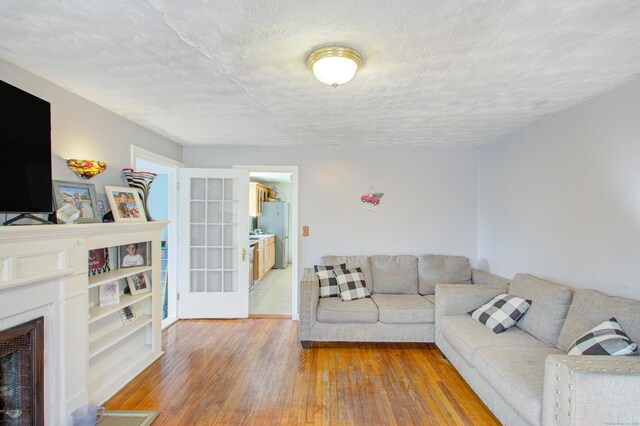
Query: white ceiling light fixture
335	64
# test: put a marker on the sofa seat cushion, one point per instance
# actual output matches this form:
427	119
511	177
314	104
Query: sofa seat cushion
466	335
334	310
394	274
404	308
549	306
517	374
438	269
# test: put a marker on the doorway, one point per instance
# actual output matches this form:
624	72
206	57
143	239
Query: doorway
276	291
163	206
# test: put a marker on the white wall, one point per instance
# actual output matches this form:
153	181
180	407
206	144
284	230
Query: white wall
84	130
561	198
429	205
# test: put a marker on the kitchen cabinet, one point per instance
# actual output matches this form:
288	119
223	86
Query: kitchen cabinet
258	194
271	253
256	264
264	257
261	261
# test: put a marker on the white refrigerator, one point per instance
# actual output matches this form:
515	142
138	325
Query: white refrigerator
275	220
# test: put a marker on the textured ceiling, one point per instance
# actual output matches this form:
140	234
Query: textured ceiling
233	72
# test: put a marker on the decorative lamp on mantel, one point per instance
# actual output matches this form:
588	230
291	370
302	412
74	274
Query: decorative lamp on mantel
86	169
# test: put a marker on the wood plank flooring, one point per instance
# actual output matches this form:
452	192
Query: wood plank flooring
254	372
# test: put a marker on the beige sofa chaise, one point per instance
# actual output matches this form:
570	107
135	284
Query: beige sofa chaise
523	374
401	308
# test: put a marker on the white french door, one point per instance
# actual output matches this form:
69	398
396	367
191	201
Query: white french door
213	243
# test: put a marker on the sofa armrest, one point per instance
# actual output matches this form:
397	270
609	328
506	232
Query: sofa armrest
582	390
480	277
308	302
458	299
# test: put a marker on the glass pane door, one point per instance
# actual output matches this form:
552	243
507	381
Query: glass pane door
216	227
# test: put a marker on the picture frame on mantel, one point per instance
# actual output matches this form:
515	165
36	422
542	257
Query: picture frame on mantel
125	203
80	195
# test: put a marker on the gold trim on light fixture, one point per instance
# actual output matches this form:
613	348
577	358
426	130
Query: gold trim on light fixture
334	51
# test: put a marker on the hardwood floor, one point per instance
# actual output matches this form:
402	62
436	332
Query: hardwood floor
254	372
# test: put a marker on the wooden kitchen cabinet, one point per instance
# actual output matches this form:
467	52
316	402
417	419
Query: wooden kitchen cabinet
256	263
264	257
261	259
258	194
272	252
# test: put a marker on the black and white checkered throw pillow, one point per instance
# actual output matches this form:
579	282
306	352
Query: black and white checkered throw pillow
501	313
607	338
328	283
351	283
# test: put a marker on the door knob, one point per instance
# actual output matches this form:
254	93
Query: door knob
244	255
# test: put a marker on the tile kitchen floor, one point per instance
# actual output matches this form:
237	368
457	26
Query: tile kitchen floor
272	294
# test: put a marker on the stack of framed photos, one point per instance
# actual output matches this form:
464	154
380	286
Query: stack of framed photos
129	256
136	255
125	202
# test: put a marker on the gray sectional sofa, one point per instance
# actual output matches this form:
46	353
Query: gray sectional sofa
402	305
523	374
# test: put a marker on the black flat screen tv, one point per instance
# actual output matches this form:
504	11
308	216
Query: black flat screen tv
25	159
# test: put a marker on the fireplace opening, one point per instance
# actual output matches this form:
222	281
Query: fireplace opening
21	374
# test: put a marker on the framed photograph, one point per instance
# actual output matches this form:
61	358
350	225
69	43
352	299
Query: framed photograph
80	195
125	204
134	254
99	261
109	294
128	314
139	283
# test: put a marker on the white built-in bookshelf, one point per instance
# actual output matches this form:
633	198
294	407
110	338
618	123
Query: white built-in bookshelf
118	350
90	352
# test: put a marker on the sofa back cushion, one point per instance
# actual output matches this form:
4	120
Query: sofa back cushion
590	308
353	262
549	306
437	269
394	274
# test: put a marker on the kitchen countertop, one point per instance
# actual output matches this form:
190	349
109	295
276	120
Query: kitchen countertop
262	237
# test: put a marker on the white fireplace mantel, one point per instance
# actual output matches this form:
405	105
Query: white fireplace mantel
43	272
